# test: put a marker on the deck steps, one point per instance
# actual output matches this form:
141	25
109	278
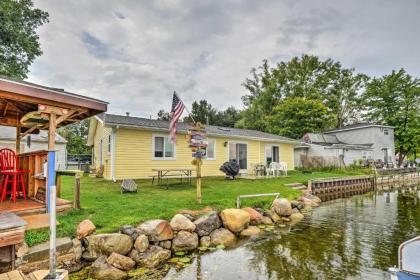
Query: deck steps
13	275
38	221
296	186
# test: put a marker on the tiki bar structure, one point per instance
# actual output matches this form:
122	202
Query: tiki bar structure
30	108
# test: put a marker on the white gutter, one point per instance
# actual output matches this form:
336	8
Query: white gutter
113	154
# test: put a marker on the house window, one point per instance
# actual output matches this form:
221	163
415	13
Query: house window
210	150
271	154
239	153
163	148
386	131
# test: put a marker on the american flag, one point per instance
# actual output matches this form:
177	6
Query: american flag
176	112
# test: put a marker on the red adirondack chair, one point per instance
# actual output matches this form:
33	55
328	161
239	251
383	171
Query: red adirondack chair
12	176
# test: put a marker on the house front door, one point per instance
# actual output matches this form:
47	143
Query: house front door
239	152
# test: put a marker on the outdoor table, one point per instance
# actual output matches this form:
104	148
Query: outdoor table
77	175
12	232
167	173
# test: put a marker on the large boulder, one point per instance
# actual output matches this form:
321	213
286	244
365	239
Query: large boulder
255	216
121	262
223	237
185	241
235	219
153	257
167	244
85	228
106	244
250	231
272	215
102	270
296	217
156	230
130	231
282	207
207	223
180	222
267	220
205	241
141	243
308	202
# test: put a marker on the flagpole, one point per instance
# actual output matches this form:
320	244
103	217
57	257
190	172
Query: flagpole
186	109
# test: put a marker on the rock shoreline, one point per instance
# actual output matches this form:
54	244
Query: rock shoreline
157	242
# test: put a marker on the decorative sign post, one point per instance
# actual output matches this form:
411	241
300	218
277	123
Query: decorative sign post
197	140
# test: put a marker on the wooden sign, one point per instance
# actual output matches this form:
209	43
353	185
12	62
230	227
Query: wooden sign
197	141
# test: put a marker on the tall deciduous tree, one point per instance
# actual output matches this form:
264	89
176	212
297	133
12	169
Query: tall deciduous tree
306	77
203	112
19	42
295	116
76	135
163	115
394	100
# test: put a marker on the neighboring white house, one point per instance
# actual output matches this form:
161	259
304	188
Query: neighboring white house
380	137
34	142
320	150
344	145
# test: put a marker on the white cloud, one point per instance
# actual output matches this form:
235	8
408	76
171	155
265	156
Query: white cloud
135	53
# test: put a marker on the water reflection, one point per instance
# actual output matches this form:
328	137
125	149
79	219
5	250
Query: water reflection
353	238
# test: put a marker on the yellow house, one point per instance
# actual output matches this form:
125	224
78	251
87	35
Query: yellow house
131	147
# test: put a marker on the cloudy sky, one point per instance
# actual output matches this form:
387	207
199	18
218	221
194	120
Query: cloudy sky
134	54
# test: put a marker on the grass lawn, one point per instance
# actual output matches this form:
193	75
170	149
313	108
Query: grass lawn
108	209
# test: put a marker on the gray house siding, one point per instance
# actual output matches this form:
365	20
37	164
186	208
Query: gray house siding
331	155
375	135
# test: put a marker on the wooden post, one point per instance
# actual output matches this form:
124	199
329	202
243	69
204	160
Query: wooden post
198	181
76	200
58	183
17	139
51	131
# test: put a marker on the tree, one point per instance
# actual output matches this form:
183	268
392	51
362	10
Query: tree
19	42
163	115
295	116
202	112
307	77
76	135
394	100
228	117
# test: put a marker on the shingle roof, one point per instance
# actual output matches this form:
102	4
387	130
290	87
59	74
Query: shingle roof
9	133
357	125
113	120
321	138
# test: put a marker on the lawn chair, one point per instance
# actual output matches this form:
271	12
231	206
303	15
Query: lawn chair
272	169
128	185
283	167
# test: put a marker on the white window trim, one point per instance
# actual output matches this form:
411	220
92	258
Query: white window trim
271	147
247	152
214	149
153	148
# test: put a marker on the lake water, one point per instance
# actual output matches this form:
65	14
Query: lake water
352	238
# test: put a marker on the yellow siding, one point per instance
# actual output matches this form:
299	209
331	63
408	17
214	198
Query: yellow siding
134	158
102	133
286	153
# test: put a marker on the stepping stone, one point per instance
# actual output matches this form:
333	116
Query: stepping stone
296	186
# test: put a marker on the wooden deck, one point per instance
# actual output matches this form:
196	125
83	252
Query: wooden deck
30	207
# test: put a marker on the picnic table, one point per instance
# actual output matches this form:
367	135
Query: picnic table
172	173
